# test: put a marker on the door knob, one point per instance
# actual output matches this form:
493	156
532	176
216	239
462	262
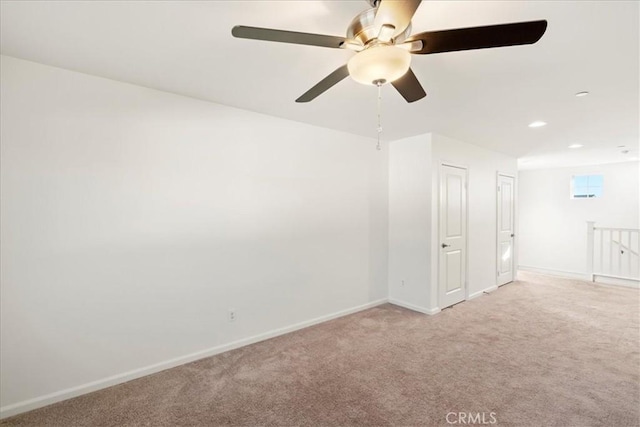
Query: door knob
444	245
512	234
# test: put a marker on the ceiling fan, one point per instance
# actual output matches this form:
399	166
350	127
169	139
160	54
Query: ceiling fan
382	40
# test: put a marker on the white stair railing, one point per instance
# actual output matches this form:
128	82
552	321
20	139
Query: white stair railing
613	252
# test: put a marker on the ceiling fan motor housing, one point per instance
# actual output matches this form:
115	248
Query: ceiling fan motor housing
362	28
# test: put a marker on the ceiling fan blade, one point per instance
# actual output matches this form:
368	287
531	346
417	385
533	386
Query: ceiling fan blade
479	37
409	87
282	36
397	13
325	84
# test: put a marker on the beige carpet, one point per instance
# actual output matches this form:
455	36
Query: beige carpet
539	352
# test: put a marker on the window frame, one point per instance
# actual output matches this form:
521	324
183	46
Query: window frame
572	187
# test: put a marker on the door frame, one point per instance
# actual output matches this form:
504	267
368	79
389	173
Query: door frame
466	240
514	265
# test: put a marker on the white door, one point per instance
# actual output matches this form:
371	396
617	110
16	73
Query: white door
506	231
453	236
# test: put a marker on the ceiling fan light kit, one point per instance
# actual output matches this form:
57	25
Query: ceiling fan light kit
379	64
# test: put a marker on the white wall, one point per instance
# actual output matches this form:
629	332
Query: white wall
409	222
133	219
414	165
553	230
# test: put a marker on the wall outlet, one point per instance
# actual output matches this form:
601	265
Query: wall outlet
402	283
232	315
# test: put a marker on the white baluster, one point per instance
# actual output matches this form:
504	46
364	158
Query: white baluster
601	233
590	235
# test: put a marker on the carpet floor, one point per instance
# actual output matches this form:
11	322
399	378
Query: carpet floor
541	351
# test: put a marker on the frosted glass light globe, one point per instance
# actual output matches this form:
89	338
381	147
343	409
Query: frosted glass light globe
382	62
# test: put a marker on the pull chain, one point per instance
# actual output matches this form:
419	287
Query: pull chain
379	84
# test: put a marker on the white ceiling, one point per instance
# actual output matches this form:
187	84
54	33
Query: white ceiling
484	97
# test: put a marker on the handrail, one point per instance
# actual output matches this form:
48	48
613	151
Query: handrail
622	245
615	229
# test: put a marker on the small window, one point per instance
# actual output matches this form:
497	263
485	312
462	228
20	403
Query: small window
586	186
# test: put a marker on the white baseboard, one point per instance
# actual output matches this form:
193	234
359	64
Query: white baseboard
480	293
617	281
429	311
38	402
559	273
598	279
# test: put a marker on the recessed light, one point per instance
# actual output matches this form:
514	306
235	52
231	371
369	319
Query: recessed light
537	124
576	146
583	93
